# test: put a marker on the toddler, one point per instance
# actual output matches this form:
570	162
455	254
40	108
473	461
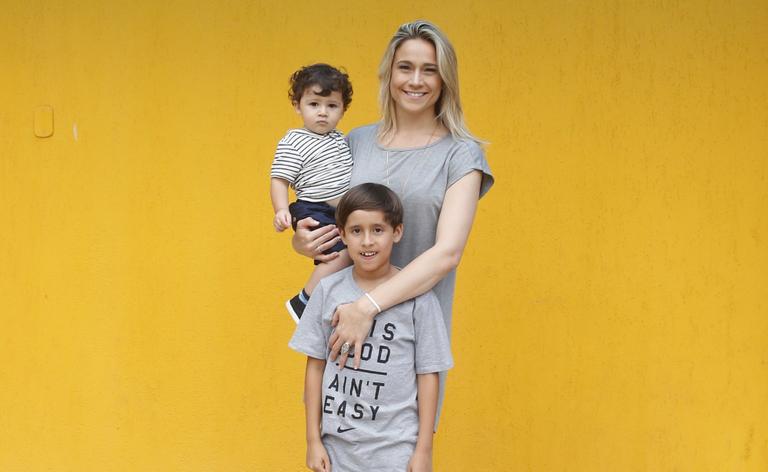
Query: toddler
315	161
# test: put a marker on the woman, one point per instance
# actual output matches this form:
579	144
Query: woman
424	152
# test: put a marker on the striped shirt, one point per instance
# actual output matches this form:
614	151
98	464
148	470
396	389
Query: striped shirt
318	166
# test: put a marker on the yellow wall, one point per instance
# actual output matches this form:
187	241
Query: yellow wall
612	311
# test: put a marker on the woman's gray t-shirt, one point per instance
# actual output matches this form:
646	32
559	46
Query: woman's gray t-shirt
420	177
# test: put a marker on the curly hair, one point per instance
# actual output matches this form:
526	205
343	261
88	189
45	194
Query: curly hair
328	78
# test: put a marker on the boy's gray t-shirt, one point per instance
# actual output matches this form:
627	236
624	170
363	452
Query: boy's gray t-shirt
370	415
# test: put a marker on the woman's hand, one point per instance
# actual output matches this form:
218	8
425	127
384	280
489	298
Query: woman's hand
317	457
312	242
353	323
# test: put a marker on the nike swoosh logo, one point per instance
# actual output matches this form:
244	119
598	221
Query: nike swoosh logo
340	430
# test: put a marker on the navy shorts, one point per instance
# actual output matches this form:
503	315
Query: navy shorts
321	212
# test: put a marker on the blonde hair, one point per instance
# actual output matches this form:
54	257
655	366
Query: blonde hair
448	106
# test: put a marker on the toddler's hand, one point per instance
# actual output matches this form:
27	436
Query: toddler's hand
282	220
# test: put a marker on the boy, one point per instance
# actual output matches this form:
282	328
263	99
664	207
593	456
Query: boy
371	418
315	161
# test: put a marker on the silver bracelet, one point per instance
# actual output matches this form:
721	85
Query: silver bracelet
378	308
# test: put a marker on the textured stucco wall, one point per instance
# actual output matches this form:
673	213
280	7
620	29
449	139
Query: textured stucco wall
612	311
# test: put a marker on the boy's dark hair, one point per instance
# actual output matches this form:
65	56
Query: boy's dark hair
370	197
328	78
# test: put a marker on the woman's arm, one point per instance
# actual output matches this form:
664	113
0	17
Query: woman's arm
353	321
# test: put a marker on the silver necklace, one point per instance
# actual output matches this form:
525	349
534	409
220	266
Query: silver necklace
410	174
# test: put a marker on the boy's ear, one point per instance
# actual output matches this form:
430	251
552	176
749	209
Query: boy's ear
343	236
398	233
296	107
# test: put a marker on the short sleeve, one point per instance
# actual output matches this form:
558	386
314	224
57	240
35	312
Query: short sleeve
469	156
355	135
310	337
288	161
433	348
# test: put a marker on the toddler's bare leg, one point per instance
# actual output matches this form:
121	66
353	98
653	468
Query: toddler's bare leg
327	268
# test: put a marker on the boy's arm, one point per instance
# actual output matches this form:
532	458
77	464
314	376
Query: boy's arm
317	456
278	191
427	385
